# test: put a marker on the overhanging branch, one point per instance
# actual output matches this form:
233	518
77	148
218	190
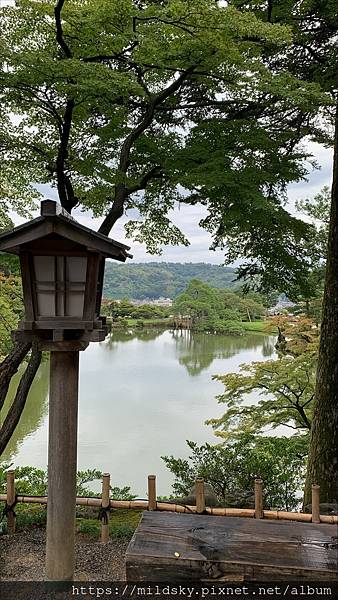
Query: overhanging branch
59	31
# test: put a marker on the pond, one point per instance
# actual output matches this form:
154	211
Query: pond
142	395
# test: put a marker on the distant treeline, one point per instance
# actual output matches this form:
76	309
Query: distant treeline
153	280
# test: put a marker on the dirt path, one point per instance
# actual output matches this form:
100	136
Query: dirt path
22	557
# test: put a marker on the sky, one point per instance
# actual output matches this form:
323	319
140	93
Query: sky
187	217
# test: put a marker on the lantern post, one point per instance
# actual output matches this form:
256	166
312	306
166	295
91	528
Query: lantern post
62	268
62	461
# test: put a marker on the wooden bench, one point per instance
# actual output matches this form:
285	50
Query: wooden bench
188	547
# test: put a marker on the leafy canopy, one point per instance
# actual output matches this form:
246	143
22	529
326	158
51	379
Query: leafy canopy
11	310
284	388
230	469
218	310
131	107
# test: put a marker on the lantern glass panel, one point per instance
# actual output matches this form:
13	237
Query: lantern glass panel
60	285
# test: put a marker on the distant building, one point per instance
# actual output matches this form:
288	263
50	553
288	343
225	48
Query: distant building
163	302
154	302
283	304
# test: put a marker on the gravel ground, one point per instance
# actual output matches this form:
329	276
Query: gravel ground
22	557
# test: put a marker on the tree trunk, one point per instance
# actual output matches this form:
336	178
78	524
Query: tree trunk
9	367
323	457
15	411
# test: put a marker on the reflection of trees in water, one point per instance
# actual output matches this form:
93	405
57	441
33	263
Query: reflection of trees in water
34	412
269	345
196	351
125	335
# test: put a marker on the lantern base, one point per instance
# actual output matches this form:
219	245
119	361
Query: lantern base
64	339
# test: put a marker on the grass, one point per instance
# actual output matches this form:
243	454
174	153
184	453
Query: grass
259	326
159	322
30	515
122	523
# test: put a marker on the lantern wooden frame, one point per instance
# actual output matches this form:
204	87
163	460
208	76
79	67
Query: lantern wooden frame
57	242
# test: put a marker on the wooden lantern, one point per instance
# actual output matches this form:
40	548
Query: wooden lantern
62	265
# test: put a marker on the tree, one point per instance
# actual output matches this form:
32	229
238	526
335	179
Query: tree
317	210
199	301
323	457
11	310
230	469
313	57
287	389
99	120
124	308
92	93
214	309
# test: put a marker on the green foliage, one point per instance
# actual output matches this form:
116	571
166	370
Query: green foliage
9	264
153	280
286	392
11	302
216	310
31	481
317	211
85	477
122	524
121	493
297	335
230	469
97	99
11	310
30	515
120	311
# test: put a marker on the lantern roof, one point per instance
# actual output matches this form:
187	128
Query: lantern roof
55	220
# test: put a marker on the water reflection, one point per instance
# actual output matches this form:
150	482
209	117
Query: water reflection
34	412
126	335
197	351
142	395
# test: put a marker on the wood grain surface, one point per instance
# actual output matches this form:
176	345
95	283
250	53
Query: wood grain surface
182	547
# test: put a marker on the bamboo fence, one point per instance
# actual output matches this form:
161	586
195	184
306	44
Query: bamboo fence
105	504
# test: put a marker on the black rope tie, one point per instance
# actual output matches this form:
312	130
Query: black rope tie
103	514
9	509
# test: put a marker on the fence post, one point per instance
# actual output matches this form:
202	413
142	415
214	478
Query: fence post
105	504
315	504
259	514
200	496
152	503
10	500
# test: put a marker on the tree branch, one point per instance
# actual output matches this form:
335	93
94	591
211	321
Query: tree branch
121	190
176	23
15	411
65	190
153	173
59	31
9	367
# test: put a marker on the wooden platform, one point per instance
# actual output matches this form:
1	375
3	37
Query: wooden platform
183	547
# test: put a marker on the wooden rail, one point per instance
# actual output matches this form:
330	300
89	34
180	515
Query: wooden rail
104	503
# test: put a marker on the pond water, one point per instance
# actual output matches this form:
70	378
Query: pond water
142	395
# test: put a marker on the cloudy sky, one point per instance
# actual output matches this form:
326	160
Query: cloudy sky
188	217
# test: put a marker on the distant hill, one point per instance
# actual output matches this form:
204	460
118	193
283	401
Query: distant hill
153	280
